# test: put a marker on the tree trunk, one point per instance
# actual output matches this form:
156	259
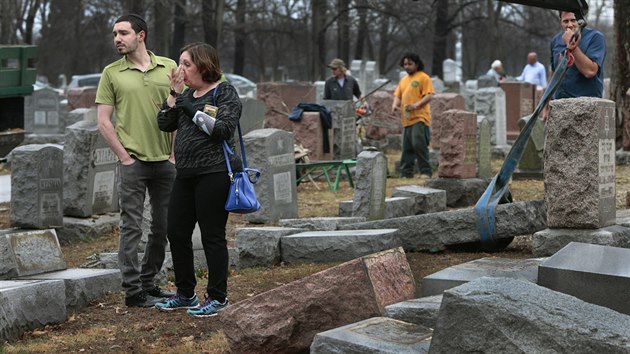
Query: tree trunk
239	38
135	7
343	30
179	29
362	31
383	52
620	82
160	35
213	26
440	37
319	39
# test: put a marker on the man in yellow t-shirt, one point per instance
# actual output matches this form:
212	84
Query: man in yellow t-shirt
411	98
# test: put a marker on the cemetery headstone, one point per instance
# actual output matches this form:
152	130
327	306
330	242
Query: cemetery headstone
90	186
458	141
382	124
519	102
531	163
37	186
449	68
484	149
30	252
441	103
308	132
42	112
279	99
580	163
344	137
370	185
252	115
81	97
271	151
490	103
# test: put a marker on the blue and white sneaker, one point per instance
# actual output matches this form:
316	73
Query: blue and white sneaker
178	302
208	309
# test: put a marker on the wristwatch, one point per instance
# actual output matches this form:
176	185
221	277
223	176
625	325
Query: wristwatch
174	94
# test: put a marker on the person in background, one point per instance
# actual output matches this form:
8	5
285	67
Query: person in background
411	99
586	76
132	86
534	72
496	70
202	183
340	86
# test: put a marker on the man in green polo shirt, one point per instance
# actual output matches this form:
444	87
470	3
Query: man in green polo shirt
134	86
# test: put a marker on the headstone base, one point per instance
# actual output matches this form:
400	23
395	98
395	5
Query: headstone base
549	241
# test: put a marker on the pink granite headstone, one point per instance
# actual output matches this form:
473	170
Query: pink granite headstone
280	98
458	145
287	318
440	103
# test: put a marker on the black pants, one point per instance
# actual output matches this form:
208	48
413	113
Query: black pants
199	199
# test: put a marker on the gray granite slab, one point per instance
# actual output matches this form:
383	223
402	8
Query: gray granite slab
83	285
594	273
374	335
436	283
335	246
423	311
30	304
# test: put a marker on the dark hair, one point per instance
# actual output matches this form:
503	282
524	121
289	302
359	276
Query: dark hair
137	23
414	58
206	58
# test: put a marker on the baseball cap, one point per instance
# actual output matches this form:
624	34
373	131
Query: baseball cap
336	63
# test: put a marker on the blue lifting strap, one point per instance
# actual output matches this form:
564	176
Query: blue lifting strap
485	207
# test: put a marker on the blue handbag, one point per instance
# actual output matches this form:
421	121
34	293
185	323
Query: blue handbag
242	196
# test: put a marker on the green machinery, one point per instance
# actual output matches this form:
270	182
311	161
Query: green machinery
17	76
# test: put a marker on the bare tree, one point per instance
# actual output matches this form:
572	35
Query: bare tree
620	82
343	30
212	21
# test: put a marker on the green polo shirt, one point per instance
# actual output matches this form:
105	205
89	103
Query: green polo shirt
136	97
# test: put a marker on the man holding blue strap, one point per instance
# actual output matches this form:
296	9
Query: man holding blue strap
586	76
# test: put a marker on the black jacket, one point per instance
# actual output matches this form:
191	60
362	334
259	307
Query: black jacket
196	152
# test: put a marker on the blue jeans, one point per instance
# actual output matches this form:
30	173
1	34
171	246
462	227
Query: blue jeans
133	183
416	139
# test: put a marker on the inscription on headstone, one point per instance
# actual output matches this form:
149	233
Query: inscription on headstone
89	172
37	186
271	151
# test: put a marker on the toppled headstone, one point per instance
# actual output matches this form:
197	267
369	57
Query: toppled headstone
319	223
422	311
374	335
426	200
423	232
288	317
335	246
29	252
30	304
260	246
501	315
593	273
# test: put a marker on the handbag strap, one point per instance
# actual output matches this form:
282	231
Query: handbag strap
226	148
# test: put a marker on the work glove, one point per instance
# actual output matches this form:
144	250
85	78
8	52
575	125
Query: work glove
186	106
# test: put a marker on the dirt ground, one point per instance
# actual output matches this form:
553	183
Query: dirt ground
108	326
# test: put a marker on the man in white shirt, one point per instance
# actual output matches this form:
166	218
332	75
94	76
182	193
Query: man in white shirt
534	72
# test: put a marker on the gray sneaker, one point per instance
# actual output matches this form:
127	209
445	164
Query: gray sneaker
141	299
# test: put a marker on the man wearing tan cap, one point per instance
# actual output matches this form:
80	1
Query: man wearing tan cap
340	86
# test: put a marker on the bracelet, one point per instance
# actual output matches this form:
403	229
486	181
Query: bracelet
174	94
